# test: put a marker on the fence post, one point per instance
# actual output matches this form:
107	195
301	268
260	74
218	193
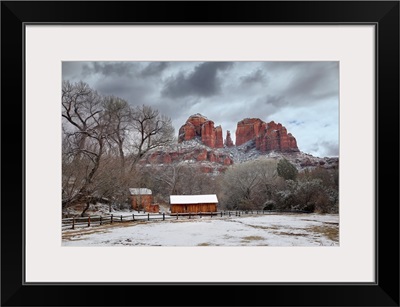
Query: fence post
200	214
73	223
133	216
239	213
101	221
221	213
177	216
88	223
148	216
112	218
229	213
163	216
189	215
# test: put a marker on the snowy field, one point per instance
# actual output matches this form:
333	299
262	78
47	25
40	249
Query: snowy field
265	230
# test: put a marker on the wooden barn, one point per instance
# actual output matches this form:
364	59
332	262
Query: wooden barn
142	199
193	203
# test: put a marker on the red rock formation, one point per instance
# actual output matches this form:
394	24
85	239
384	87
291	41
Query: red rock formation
228	161
187	132
267	137
208	134
166	158
219	142
276	138
202	156
228	140
247	129
191	128
212	157
199	126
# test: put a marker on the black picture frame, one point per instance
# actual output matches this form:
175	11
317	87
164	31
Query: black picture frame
383	14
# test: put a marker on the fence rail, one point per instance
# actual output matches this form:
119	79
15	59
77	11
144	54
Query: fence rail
97	220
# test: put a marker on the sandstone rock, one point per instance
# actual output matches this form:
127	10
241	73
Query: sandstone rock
208	134
212	157
166	158
228	140
228	161
267	136
247	129
187	132
191	128
202	156
199	126
219	141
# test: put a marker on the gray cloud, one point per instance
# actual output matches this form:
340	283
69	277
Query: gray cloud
256	76
314	81
203	81
327	149
70	70
305	83
278	101
110	68
153	69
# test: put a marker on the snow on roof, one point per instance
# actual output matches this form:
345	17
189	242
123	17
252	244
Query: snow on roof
193	199
140	191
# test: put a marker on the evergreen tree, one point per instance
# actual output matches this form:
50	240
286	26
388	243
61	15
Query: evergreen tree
286	170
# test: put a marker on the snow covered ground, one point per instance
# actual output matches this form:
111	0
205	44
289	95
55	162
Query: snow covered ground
261	230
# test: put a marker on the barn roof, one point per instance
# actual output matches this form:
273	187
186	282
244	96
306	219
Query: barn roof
193	199
140	191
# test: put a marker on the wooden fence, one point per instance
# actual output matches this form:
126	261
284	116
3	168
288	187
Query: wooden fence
96	220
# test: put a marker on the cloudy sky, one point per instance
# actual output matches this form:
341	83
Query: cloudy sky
302	96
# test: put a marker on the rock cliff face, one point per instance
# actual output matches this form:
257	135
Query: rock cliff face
248	129
194	153
198	154
199	126
267	136
228	140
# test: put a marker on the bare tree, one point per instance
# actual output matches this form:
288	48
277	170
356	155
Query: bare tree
171	177
86	134
81	108
119	116
149	130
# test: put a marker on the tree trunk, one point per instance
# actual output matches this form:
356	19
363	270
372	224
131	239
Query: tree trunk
86	208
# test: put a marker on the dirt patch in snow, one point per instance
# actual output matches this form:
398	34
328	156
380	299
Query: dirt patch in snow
252	238
284	233
332	233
